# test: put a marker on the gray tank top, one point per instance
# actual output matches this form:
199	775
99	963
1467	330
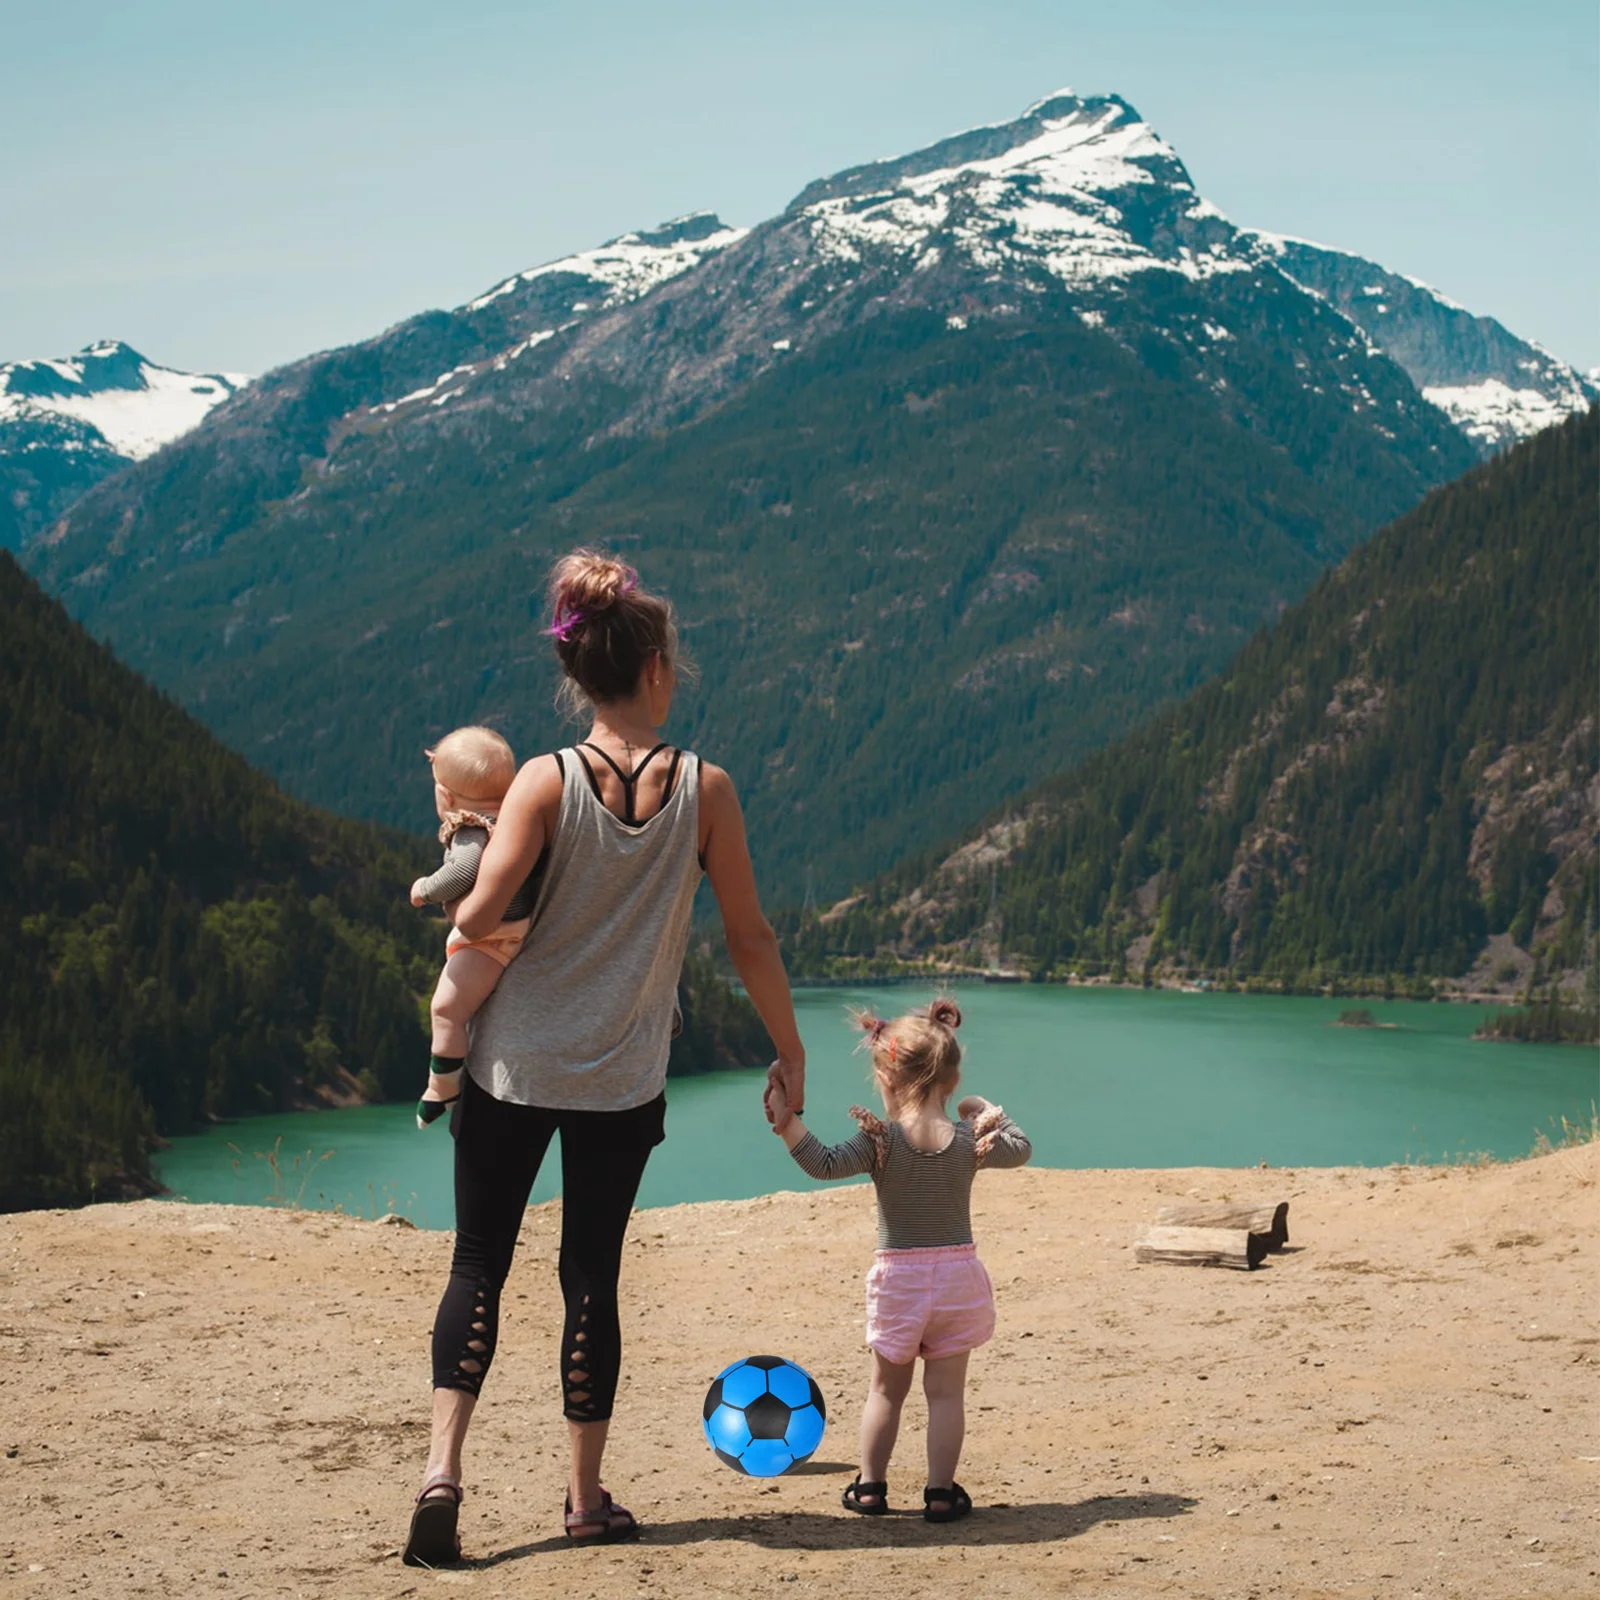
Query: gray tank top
582	1019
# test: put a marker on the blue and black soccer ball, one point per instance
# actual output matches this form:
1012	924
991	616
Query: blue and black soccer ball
764	1415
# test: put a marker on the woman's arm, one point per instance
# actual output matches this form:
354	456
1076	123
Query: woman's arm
751	942
527	818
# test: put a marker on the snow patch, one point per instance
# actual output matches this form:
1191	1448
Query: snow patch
1495	413
625	269
426	391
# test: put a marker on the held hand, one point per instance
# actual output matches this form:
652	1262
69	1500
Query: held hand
790	1073
416	893
776	1103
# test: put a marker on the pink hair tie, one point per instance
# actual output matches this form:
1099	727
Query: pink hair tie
566	622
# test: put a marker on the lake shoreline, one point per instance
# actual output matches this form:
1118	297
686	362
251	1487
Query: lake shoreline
1101	1077
1357	989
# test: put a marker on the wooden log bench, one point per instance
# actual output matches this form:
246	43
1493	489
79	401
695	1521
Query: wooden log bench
1173	1246
1271	1220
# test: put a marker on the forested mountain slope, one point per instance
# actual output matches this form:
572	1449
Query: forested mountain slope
180	940
1403	766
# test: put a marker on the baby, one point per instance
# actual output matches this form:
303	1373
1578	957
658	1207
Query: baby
927	1292
472	769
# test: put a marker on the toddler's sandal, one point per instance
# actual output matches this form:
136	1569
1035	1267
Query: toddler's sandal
852	1501
608	1523
946	1505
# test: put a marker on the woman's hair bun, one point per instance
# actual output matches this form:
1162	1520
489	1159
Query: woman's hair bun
589	581
946	1011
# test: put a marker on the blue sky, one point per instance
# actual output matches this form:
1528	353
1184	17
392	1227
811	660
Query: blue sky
230	186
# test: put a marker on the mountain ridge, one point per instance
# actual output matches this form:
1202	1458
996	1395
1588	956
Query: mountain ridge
1496	387
936	408
66	424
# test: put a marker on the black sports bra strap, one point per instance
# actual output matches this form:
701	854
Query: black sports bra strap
628	780
627	777
588	772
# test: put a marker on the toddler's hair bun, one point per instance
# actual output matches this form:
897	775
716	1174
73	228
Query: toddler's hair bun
589	581
872	1026
945	1011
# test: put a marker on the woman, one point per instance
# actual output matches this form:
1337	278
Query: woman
575	1038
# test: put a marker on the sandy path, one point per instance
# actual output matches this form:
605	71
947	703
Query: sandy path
212	1401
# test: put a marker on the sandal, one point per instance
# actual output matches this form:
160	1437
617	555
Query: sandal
946	1505
853	1492
433	1541
612	1523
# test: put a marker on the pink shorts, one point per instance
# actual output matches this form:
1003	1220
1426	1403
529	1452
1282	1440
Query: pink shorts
929	1303
500	946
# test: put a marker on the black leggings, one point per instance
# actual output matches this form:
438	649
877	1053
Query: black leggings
499	1147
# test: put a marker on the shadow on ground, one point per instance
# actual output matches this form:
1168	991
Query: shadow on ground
1038	1523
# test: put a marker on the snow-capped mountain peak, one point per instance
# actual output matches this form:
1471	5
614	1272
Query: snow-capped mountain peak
1078	186
632	264
131	403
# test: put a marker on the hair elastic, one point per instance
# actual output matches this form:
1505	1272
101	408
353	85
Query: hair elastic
567	620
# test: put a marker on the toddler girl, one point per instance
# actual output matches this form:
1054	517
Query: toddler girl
927	1293
472	769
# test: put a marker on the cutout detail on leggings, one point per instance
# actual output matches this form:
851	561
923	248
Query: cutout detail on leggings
479	1351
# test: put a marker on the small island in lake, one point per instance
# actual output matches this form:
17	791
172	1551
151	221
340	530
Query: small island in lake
1360	1017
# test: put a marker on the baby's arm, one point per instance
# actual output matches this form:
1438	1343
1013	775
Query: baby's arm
816	1159
459	872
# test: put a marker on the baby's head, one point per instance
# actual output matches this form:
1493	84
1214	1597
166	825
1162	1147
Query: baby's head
472	769
915	1058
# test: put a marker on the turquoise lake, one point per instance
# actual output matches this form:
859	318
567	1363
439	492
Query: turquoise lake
1097	1077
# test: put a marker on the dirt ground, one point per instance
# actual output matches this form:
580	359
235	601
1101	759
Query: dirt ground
213	1401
